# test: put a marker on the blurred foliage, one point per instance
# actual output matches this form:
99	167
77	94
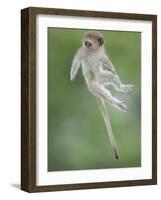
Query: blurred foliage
77	137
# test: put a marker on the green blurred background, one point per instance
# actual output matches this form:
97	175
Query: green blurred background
77	137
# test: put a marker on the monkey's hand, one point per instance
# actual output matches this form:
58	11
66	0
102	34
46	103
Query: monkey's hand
72	77
110	69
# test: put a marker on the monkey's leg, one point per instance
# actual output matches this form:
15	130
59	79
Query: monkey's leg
107	78
108	125
99	90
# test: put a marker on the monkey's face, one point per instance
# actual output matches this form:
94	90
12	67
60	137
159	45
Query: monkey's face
93	40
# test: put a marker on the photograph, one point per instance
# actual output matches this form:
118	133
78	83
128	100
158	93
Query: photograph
94	99
89	100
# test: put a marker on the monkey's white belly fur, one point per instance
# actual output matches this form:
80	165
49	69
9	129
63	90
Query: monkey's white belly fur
91	68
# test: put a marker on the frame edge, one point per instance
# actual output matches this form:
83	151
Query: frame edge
90	13
24	99
28	100
154	99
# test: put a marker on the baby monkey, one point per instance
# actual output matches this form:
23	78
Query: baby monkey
99	72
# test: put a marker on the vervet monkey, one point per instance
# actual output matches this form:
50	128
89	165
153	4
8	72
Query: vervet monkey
99	72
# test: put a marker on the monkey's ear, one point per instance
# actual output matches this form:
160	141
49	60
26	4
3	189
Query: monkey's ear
85	34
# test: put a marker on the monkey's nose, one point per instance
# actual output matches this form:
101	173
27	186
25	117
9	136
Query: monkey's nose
87	44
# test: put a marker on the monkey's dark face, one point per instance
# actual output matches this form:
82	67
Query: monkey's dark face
93	40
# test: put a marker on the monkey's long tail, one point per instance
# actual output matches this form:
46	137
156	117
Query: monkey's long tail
108	125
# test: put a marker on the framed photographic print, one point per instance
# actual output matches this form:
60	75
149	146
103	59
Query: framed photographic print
88	99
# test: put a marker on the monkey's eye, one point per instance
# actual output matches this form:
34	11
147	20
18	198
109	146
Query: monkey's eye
87	44
100	40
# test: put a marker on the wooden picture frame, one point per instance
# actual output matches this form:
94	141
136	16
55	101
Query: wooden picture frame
28	98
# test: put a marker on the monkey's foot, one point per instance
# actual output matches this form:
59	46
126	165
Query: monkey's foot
121	106
127	88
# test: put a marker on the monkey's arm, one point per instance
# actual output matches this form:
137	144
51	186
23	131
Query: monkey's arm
75	65
108	64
